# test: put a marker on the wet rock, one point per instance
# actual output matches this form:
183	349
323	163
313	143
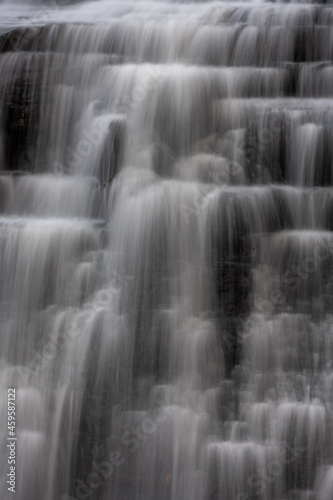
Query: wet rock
20	118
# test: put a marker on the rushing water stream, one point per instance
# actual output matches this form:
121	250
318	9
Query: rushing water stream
166	250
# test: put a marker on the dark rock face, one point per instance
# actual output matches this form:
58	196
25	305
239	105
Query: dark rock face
20	120
23	39
232	294
20	92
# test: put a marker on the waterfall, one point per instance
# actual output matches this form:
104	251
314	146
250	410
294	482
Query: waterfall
166	250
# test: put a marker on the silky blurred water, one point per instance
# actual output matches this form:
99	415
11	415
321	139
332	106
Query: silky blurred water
166	250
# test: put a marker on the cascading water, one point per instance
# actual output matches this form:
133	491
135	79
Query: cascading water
166	250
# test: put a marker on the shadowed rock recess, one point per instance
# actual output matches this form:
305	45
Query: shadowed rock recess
166	250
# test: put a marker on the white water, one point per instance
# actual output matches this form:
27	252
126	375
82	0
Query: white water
166	250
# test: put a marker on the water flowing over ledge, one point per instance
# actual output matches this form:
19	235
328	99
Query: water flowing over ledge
166	249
